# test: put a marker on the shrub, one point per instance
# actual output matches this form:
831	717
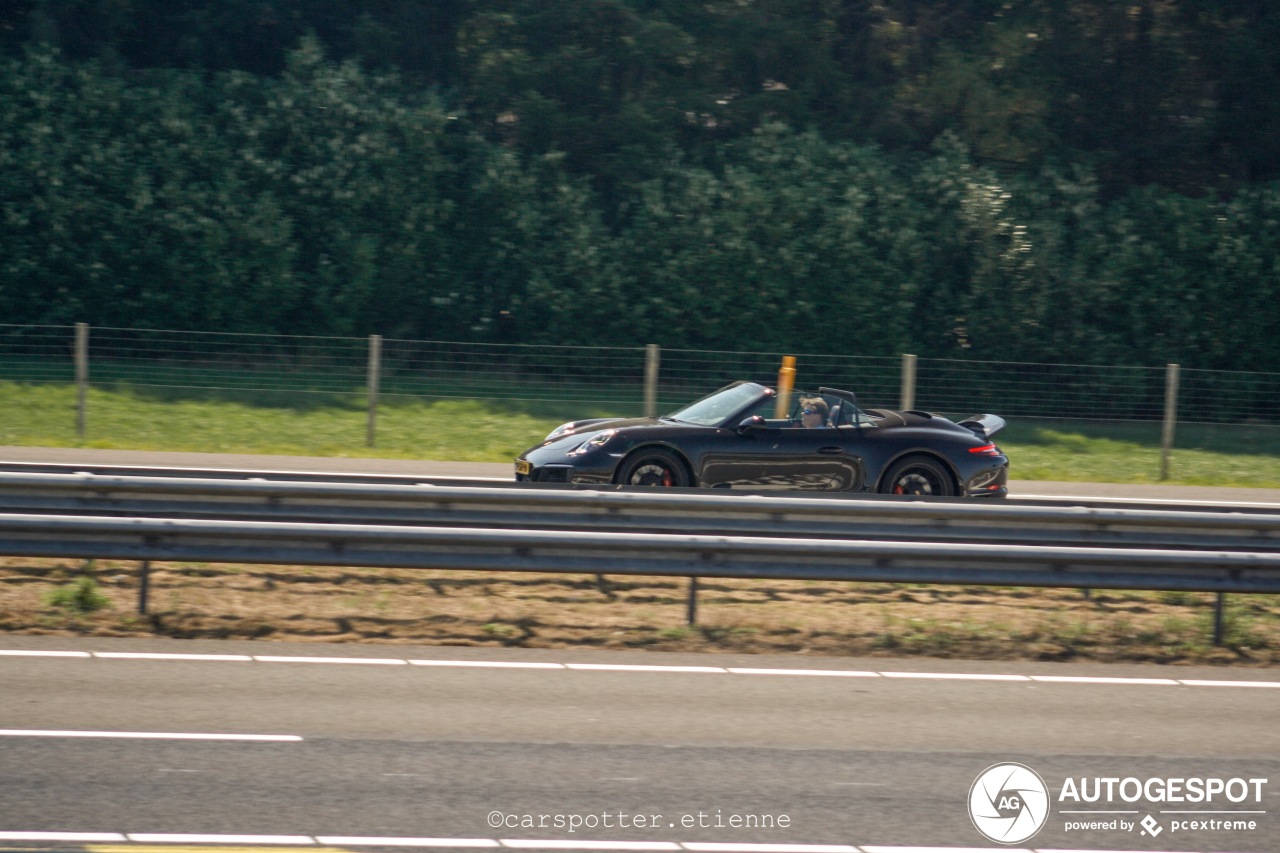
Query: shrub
81	597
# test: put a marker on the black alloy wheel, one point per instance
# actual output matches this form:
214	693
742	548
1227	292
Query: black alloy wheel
656	468
919	476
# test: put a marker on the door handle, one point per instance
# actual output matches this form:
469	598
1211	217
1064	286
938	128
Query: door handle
831	451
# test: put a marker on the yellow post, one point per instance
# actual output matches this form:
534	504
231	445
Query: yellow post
786	380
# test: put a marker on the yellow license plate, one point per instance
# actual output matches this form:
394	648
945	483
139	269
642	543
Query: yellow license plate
523	467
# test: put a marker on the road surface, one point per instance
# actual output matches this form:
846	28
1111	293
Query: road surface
537	747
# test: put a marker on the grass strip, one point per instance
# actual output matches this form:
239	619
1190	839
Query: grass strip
328	423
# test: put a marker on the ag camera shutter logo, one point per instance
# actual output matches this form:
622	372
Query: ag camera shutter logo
1008	803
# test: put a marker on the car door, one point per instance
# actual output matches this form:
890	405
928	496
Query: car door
773	457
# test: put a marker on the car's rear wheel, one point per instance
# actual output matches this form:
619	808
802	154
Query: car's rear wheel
654	467
920	476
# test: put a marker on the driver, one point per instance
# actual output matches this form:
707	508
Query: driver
813	412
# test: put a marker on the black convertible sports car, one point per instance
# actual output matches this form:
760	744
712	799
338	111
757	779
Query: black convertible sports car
734	439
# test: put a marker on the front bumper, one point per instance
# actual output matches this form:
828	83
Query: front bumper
526	473
559	472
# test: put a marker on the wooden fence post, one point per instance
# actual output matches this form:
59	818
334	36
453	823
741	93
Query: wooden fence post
652	356
1170	418
908	382
375	371
82	376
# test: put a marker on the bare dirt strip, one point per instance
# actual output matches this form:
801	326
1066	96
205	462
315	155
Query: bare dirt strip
353	605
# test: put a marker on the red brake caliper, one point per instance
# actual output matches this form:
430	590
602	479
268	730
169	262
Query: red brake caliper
666	478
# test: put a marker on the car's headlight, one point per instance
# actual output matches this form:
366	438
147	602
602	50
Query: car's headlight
600	439
560	431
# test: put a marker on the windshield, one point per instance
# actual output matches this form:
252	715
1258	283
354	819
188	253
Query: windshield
715	409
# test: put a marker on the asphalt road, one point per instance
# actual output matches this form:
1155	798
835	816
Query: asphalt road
393	749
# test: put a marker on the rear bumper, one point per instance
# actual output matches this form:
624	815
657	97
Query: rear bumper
990	482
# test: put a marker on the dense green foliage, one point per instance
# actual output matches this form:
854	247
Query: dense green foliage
1046	181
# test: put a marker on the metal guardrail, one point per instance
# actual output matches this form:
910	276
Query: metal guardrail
386	546
638	510
443	523
337	478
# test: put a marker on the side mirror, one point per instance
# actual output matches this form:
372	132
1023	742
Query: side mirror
753	422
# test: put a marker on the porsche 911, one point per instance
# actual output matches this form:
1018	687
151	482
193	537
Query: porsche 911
735	439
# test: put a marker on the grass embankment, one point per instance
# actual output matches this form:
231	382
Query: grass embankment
308	424
460	430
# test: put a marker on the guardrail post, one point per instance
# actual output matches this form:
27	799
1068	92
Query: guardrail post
691	613
82	376
652	356
144	586
1218	606
1170	418
908	381
375	371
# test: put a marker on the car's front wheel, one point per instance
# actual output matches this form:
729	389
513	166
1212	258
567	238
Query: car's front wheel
920	476
654	467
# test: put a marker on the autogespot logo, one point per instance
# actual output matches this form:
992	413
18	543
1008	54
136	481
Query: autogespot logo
1008	803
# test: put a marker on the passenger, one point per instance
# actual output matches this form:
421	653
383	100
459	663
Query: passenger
813	412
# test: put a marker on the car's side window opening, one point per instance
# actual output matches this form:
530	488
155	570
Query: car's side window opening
797	401
768	409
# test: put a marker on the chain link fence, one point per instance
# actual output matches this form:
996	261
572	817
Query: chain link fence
567	382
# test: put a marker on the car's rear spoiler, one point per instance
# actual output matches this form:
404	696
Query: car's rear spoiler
984	426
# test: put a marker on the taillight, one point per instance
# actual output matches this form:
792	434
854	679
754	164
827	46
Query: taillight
985	450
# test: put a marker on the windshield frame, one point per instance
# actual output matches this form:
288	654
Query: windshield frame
709	411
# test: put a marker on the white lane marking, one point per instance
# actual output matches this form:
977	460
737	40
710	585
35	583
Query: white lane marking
645	667
957	676
828	673
1213	811
371	841
637	667
499	664
1196	682
1048	850
1089	679
510	843
1169	501
615	667
159	656
947	850
554	844
62	836
369	661
186	838
146	735
714	847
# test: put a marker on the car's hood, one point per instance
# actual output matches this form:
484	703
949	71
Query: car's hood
582	430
